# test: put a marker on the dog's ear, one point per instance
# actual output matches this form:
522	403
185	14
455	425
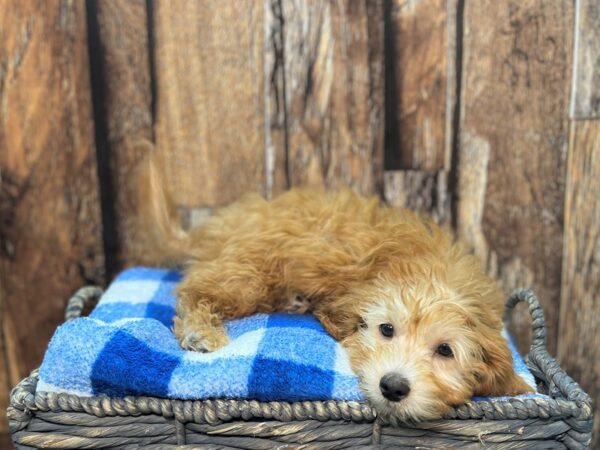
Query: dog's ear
495	374
339	318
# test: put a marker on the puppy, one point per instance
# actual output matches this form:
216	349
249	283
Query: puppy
417	313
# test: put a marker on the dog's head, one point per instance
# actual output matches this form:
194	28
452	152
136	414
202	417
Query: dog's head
423	338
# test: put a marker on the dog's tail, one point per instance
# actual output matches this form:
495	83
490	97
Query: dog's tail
163	240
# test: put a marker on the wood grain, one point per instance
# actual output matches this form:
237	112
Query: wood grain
50	233
578	348
422	51
210	116
124	86
585	91
334	93
276	158
421	191
513	144
5	382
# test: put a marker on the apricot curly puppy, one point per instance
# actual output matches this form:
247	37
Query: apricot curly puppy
417	313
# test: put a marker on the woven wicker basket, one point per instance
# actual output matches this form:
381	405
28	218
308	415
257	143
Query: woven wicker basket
49	420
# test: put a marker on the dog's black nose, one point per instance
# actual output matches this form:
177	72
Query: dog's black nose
394	387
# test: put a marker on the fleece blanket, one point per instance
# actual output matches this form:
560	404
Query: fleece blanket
126	347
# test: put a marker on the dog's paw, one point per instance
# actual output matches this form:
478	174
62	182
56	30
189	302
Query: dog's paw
199	337
200	342
193	341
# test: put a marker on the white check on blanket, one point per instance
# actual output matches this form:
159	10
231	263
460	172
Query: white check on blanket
126	347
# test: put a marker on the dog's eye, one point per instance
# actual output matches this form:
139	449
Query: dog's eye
444	350
386	329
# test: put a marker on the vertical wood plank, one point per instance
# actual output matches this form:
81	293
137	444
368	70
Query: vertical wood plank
210	117
513	142
125	115
5	384
585	91
421	191
50	233
422	51
579	330
334	93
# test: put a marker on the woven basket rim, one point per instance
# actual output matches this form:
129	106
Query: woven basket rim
566	400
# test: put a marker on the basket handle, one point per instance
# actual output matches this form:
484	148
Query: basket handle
541	363
538	322
82	297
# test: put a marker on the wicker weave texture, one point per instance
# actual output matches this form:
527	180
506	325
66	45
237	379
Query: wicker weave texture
50	420
76	430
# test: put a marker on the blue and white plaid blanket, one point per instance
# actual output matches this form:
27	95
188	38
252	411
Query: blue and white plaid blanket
126	347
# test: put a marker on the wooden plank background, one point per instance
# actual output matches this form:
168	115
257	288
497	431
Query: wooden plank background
483	114
513	141
50	232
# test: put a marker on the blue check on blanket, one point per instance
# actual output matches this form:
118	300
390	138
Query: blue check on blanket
126	347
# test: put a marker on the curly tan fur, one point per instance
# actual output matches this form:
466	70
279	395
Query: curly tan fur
354	264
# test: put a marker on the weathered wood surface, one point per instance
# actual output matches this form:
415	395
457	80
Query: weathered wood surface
421	191
513	143
422	52
585	91
210	81
50	234
5	381
120	62
276	161
578	348
333	74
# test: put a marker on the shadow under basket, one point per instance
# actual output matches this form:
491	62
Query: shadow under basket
51	420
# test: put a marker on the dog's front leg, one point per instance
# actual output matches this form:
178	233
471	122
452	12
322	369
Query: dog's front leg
213	291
